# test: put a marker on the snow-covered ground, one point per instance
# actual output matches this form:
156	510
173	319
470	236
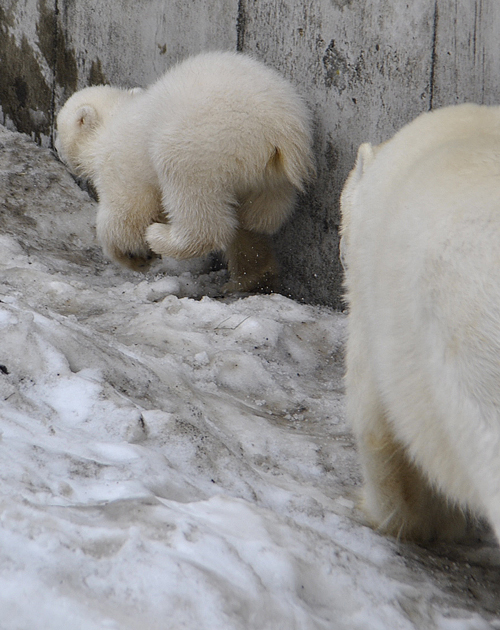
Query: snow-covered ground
171	459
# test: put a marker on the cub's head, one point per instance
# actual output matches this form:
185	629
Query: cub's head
79	122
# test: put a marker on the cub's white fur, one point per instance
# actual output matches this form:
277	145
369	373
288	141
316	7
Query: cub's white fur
208	158
421	250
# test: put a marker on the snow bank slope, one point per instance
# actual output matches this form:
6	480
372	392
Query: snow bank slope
171	462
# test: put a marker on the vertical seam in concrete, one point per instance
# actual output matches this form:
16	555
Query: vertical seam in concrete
241	21
478	48
54	68
477	10
433	55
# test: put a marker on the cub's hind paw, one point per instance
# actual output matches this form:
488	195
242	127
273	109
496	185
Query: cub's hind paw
267	283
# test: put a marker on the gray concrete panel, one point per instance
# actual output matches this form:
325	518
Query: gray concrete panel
364	68
467	56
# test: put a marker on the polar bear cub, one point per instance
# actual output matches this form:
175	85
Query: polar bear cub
421	250
209	158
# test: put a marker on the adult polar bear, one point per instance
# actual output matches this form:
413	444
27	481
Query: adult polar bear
208	158
421	250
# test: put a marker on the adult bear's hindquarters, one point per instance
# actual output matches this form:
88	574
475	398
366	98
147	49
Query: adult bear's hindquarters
420	235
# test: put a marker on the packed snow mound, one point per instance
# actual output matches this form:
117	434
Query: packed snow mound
173	459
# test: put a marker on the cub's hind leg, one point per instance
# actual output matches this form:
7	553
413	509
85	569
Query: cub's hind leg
251	262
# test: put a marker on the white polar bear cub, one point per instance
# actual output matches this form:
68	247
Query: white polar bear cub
208	158
421	250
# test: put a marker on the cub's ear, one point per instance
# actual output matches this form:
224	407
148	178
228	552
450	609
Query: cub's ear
86	118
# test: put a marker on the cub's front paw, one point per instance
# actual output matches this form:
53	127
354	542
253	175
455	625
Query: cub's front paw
137	261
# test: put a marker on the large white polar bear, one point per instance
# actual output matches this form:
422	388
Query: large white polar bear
421	250
208	158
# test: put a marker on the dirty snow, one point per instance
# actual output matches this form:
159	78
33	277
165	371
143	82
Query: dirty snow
172	459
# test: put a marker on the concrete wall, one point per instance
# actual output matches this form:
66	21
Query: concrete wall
365	68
